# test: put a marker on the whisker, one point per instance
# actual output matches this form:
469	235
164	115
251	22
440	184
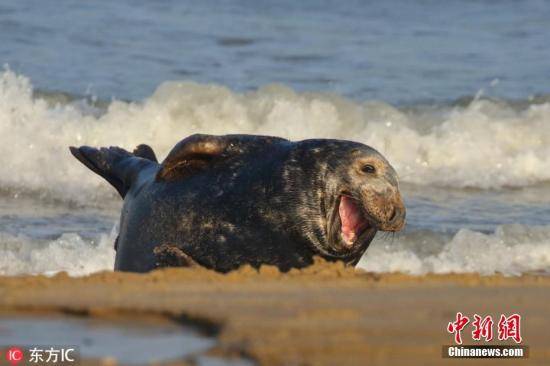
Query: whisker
385	235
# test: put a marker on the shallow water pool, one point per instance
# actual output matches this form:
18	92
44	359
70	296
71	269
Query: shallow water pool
127	341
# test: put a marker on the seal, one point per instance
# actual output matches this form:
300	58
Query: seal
224	201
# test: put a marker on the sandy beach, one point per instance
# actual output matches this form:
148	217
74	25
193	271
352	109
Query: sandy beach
323	315
426	121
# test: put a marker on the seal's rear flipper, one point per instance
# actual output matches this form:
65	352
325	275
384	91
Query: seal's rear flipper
146	152
117	166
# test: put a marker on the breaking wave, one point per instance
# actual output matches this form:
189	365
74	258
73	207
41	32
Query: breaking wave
484	143
511	250
69	253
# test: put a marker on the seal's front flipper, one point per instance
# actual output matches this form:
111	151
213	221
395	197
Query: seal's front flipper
168	255
191	155
117	166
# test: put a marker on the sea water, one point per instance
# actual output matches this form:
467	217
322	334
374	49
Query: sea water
454	94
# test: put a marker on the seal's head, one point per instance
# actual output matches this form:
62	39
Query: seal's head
358	194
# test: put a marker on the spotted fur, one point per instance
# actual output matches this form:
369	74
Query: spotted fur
225	201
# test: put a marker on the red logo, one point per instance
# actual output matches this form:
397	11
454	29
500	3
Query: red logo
457	326
14	355
508	327
483	328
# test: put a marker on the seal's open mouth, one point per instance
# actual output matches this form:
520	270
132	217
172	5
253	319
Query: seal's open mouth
351	228
353	222
355	228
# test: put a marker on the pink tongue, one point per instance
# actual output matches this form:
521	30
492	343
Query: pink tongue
351	219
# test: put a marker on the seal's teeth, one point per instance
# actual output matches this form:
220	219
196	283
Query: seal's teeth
348	240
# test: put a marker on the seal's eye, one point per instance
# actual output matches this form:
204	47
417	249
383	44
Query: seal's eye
368	169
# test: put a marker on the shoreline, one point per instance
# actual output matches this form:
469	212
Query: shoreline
324	314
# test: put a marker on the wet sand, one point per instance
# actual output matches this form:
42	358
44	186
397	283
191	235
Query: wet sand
325	314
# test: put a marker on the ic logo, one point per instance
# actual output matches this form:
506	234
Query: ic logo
14	355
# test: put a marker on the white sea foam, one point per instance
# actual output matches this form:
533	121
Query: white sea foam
486	144
510	250
69	253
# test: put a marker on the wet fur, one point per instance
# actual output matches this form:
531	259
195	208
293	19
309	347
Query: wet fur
243	200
